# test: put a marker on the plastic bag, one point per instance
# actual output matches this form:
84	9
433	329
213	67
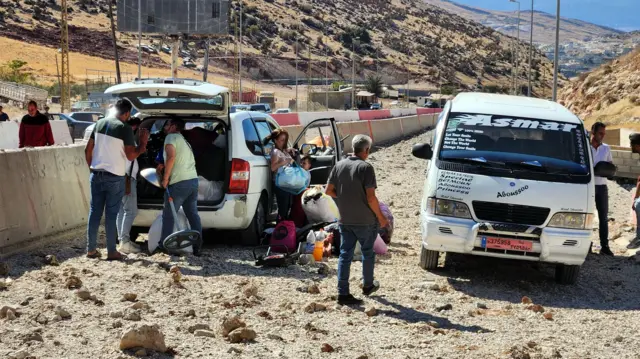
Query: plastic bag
155	232
220	141
379	247
319	207
209	190
386	232
292	179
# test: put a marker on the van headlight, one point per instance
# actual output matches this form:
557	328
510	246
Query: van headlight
448	208
571	220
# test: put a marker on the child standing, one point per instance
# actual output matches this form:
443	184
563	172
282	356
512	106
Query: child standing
297	213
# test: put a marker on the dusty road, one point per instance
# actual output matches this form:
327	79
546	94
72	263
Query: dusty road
418	314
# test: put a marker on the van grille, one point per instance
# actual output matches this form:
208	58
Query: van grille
510	213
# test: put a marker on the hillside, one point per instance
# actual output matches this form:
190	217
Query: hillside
402	39
610	93
543	28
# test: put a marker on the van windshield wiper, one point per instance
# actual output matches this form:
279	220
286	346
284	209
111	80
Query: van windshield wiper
479	161
532	165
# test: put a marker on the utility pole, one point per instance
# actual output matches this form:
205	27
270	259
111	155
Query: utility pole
115	43
353	73
139	39
407	88
240	55
515	72
557	53
65	88
205	70
296	72
530	51
326	67
58	71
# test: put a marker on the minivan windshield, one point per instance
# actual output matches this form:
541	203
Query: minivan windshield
513	144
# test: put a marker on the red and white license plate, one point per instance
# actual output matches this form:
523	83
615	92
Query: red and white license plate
507	244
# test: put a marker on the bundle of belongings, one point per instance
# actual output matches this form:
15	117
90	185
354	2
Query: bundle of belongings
320	238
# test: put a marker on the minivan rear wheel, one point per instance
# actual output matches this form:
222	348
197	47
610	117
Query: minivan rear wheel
251	235
567	274
428	258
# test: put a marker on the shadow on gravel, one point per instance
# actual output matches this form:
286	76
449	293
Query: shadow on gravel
411	315
605	283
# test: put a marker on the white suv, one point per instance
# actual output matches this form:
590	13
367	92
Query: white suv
230	151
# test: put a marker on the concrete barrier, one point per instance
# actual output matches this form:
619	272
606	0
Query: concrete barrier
49	195
9	134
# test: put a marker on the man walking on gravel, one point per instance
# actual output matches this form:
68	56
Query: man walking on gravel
601	153
110	146
634	139
352	183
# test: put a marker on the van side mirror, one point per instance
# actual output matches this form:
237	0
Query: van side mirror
422	151
605	169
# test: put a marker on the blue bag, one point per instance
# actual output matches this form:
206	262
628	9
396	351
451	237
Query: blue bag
292	179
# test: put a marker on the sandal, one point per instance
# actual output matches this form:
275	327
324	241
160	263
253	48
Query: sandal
96	254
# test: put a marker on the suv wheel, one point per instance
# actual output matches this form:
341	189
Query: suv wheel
251	235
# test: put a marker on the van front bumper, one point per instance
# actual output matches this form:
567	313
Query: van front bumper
555	245
234	213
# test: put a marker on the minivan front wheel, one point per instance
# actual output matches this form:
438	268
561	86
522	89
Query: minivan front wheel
251	235
428	258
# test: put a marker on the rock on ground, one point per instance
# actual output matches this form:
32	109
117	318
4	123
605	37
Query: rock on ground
147	336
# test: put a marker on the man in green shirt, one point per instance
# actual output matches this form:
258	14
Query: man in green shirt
180	177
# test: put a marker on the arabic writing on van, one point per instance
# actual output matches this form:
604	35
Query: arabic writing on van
454	182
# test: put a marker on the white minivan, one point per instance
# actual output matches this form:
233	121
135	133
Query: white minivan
508	177
230	150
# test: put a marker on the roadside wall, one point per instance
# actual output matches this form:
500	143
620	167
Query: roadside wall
44	192
9	134
628	164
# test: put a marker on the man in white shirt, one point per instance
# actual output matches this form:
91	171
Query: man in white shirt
601	153
634	140
129	209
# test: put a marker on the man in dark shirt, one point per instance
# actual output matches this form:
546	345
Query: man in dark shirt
35	129
3	116
352	183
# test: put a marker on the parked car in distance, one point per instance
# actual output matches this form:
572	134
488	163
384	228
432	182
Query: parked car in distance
76	128
84	106
238	108
260	107
230	151
375	106
283	110
86	116
166	49
148	48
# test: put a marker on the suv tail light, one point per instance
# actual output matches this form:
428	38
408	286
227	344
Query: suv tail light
240	171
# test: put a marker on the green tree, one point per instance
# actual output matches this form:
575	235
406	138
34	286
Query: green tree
14	71
373	84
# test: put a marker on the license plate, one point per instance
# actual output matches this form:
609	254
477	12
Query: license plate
507	244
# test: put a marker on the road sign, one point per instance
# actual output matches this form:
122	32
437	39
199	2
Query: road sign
174	17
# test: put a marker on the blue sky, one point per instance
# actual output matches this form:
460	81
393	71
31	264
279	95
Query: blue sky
618	14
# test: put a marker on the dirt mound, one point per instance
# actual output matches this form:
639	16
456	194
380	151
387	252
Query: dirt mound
82	40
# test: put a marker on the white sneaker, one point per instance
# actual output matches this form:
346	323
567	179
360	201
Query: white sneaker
129	247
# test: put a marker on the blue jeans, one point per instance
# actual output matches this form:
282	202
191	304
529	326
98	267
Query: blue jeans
127	214
185	195
107	191
349	235
637	210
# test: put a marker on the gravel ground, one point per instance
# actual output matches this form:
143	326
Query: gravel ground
471	309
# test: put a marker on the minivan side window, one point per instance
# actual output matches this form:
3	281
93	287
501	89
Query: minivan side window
251	137
264	130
